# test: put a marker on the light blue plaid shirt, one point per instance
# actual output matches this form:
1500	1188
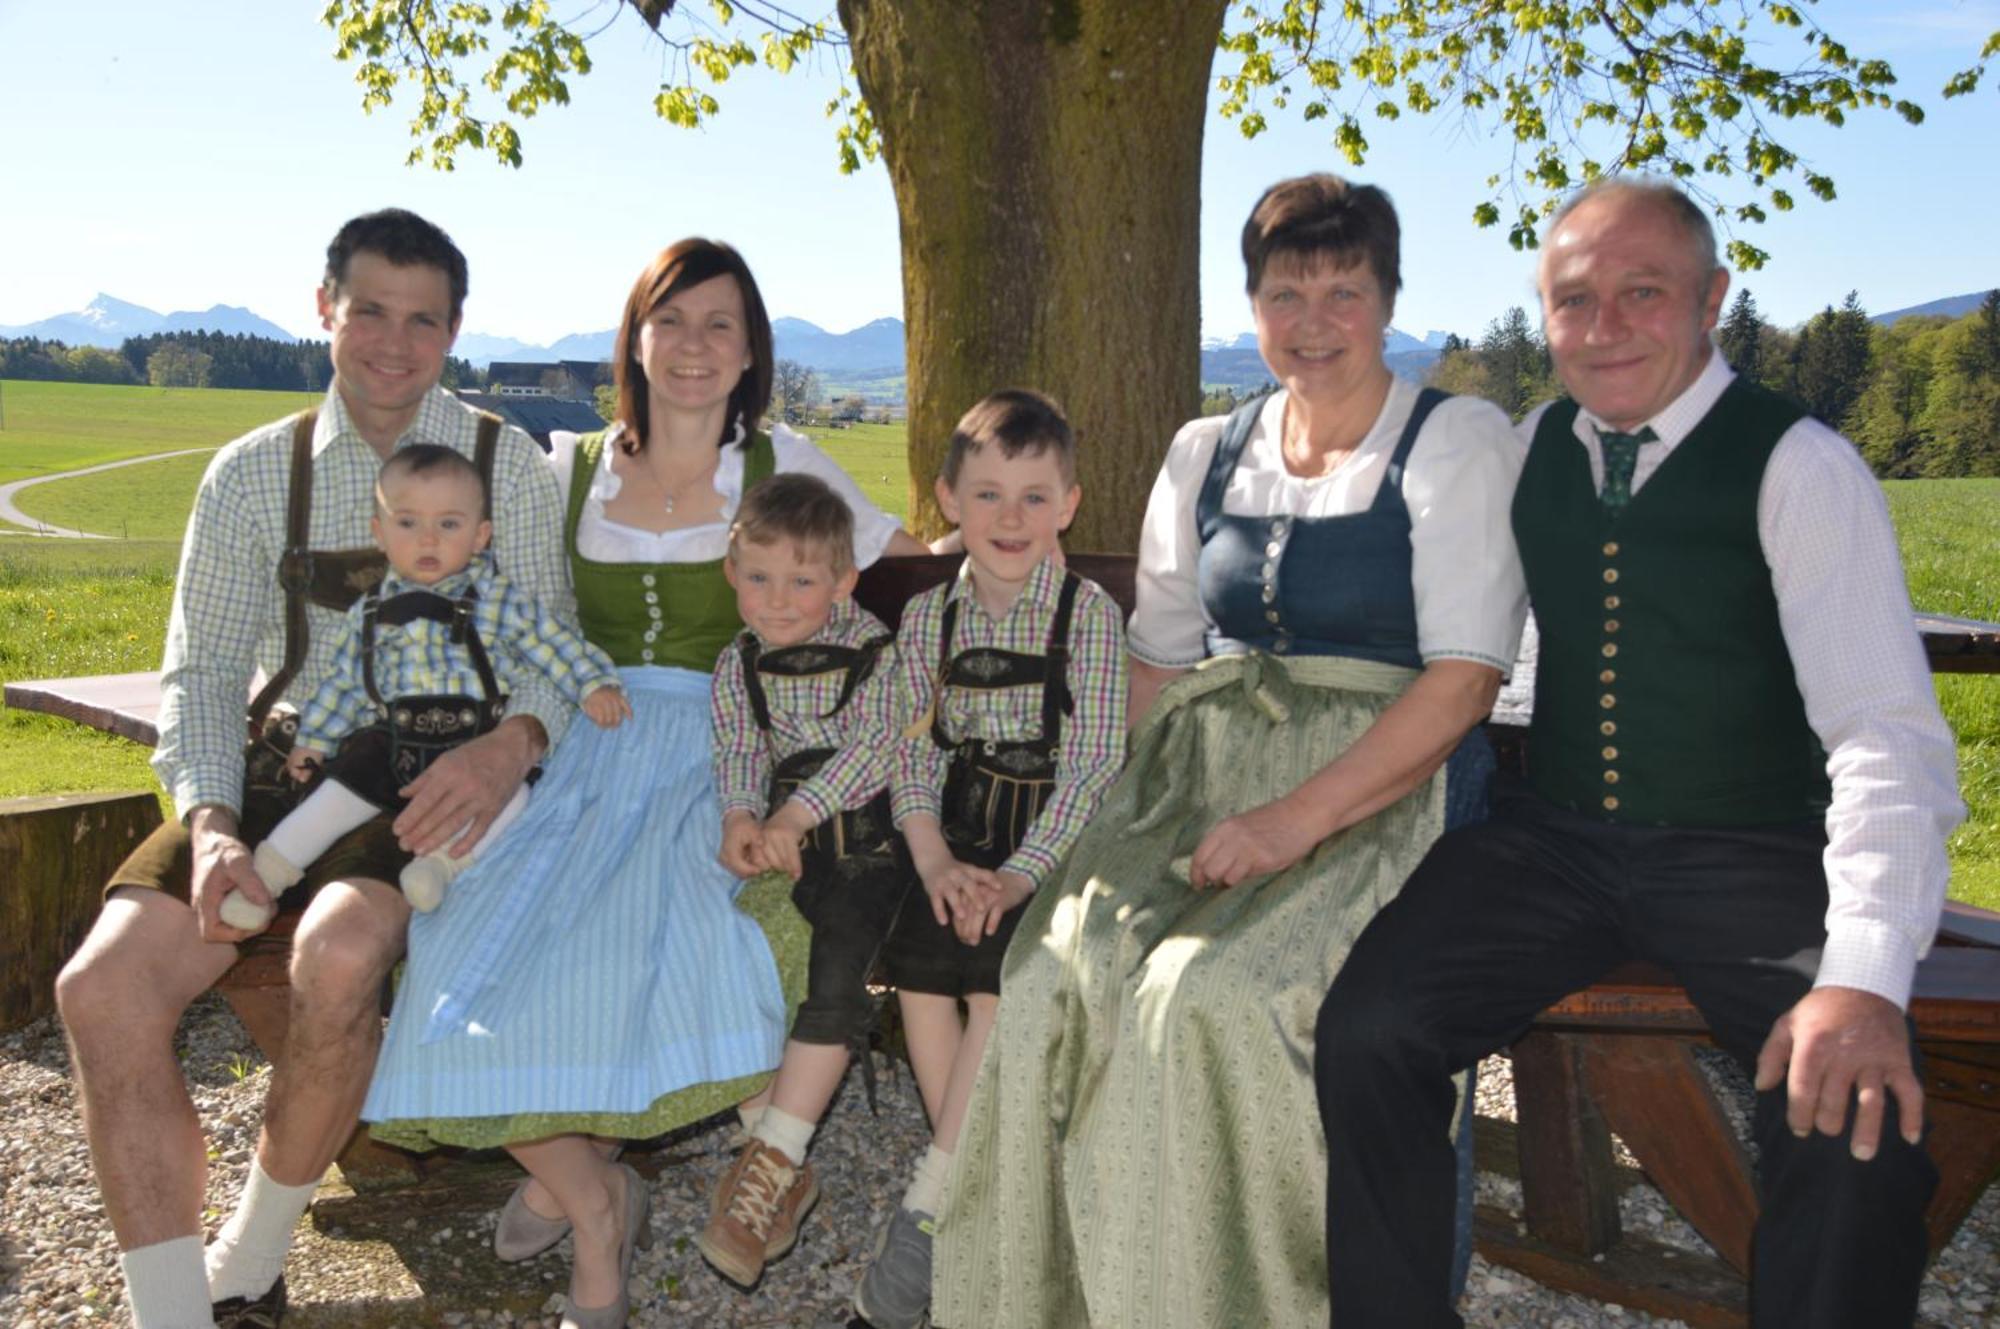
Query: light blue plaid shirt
228	611
419	658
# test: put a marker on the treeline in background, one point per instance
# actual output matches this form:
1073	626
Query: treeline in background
1920	398
188	360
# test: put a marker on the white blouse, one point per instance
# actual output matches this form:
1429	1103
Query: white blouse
602	540
1458	485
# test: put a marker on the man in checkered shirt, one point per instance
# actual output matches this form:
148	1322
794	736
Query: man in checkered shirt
392	299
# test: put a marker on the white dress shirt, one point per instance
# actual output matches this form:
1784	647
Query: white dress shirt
1845	612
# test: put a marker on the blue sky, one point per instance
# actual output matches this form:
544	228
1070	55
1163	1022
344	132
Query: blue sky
184	155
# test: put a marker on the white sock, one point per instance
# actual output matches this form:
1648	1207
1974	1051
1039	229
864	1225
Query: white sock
248	1254
515	807
329	812
787	1134
748	1117
928	1186
166	1287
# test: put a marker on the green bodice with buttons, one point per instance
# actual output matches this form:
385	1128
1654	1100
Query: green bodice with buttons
1664	691
679	614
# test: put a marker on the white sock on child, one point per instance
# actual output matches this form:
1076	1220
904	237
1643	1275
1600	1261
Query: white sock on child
748	1117
927	1189
424	878
166	1286
249	1252
329	812
787	1134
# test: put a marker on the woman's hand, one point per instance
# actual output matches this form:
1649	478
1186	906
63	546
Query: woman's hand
742	843
1257	843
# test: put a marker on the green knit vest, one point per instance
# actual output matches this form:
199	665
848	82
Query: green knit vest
679	614
1664	692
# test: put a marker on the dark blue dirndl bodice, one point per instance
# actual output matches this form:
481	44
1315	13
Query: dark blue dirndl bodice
1324	585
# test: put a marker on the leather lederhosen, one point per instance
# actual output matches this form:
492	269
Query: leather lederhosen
859	830
857	877
995	788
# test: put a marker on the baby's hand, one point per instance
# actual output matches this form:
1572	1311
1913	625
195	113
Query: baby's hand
300	764
606	706
742	843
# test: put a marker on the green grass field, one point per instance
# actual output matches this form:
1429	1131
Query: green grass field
65	426
99	607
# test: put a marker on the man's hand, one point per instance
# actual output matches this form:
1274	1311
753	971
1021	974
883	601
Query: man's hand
1256	843
221	865
1838	1042
779	838
742	843
300	763
465	788
607	706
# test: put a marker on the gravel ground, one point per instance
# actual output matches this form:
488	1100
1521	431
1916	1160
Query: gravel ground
419	1256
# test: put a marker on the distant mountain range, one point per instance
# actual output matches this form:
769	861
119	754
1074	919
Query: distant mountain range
871	354
107	321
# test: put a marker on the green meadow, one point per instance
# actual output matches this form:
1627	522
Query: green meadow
95	607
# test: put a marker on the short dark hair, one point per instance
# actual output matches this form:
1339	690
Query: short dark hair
801	508
422	459
406	240
687	263
1322	216
1018	421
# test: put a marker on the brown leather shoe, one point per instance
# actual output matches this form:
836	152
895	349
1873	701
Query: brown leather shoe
759	1207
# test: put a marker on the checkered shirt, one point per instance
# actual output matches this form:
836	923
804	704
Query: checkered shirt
1092	747
228	612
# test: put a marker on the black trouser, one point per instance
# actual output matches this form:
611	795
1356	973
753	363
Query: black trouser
1503	918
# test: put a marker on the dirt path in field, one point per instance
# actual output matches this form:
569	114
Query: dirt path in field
10	513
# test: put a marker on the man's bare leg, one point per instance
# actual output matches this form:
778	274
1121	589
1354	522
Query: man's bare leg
121	997
348	940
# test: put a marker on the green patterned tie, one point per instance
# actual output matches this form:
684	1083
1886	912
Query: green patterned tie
1621	457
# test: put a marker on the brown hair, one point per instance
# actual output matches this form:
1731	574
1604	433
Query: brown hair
404	239
422	459
1017	421
679	266
801	508
1319	216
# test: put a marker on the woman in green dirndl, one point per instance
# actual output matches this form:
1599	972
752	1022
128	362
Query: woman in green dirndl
1328	597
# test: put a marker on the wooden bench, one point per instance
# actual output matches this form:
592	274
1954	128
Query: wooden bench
1616	1057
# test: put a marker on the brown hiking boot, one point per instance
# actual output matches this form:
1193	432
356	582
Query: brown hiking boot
758	1208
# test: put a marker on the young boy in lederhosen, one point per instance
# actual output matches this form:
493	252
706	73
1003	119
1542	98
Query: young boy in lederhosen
398	692
1017	670
803	733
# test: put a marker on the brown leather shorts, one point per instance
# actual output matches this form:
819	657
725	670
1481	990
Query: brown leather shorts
164	860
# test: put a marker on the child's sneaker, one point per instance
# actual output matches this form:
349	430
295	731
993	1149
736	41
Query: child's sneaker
895	1293
760	1205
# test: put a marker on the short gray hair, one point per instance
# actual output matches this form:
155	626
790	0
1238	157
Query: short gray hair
1662	194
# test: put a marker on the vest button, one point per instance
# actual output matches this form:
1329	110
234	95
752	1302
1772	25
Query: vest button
652	597
1611	625
1611	754
1611	602
1610	649
1273	549
1270	570
1281	645
1607	729
1607	701
1270	615
1269	593
1610	575
1611	777
646	580
1611	549
646	654
1607	676
1278	528
1610	803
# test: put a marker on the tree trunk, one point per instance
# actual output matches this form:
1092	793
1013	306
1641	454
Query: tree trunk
1046	160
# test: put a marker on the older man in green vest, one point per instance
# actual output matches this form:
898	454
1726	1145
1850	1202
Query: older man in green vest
1737	770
